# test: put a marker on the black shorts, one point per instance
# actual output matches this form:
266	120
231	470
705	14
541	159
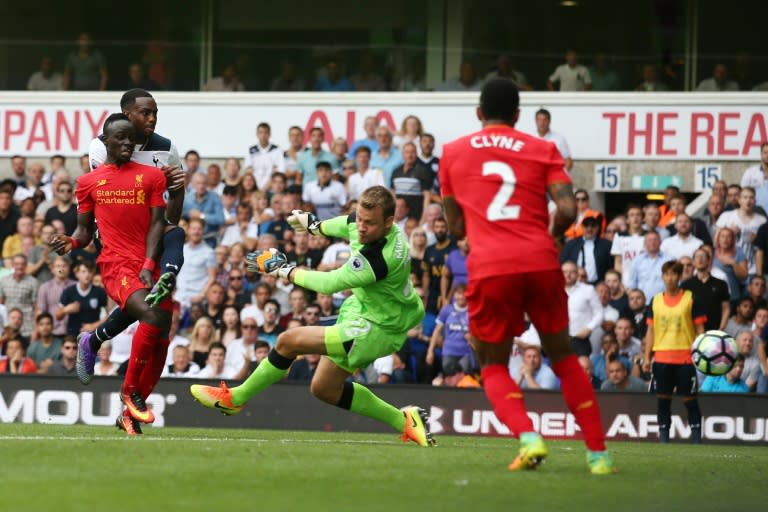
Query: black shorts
668	378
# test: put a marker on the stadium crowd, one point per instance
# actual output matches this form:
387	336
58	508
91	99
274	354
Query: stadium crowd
86	69
225	320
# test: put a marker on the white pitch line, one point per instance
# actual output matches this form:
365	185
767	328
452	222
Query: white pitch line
195	439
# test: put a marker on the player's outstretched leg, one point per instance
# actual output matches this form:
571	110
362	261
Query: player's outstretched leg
88	343
330	385
171	261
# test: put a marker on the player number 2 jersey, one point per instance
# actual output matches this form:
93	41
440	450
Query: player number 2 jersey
378	274
499	177
121	199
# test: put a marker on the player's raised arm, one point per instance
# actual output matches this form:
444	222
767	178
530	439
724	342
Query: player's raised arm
332	228
82	236
562	194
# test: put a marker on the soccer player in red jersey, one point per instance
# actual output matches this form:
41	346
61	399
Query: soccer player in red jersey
126	199
494	184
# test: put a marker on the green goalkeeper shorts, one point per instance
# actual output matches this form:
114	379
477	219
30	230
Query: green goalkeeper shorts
354	342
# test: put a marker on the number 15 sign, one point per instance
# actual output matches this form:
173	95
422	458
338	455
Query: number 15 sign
607	178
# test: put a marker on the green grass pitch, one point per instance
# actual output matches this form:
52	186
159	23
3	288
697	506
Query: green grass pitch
78	468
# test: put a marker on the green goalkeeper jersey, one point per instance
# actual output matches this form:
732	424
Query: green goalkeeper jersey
379	275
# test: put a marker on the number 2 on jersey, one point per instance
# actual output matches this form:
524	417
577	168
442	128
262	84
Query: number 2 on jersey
498	209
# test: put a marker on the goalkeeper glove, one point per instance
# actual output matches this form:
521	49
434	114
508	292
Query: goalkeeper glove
272	262
304	221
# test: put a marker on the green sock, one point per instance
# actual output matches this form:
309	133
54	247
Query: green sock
262	377
365	403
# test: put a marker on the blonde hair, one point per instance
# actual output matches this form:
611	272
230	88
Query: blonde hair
194	339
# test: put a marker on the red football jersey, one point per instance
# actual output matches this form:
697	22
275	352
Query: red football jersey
499	177
122	199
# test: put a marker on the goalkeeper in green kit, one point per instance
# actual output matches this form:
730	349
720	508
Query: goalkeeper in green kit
372	322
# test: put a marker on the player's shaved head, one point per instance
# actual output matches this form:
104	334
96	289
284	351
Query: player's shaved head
112	119
500	100
129	97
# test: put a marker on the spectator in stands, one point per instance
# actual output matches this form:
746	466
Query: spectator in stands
228	81
570	76
618	298
744	222
303	369
629	346
327	194
534	373
411	130
638	311
14	243
205	206
199	270
364	176
589	251
650	81
586	364
315	153
255	309
388	157
432	270
543	131
135	78
264	158
604	78
626	246
451	333
182	365
645	273
610	316
231	173
651	217
620	380
287	81
16	360
582	212
46	78
504	69
718	82
243	349
201	338
756	176
216	366
339	150
12	328
732	197
455	270
752	369
756	291
292	154
244	230
82	303
269	330
85	69
466	81
65	365
9	215
585	313
19	290
431	162
731	260
369	127
46	348
715	206
247	187
213	304
683	243
742	320
402	214
731	382
366	78
65	209
609	350
711	291
298	303
413	182
333	80
105	367
230	324
41	257
32	187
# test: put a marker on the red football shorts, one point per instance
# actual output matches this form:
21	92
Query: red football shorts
497	304
121	279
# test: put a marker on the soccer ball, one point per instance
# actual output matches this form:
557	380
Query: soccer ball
714	352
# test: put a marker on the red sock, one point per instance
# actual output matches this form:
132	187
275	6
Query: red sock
506	398
580	397
142	349
151	375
